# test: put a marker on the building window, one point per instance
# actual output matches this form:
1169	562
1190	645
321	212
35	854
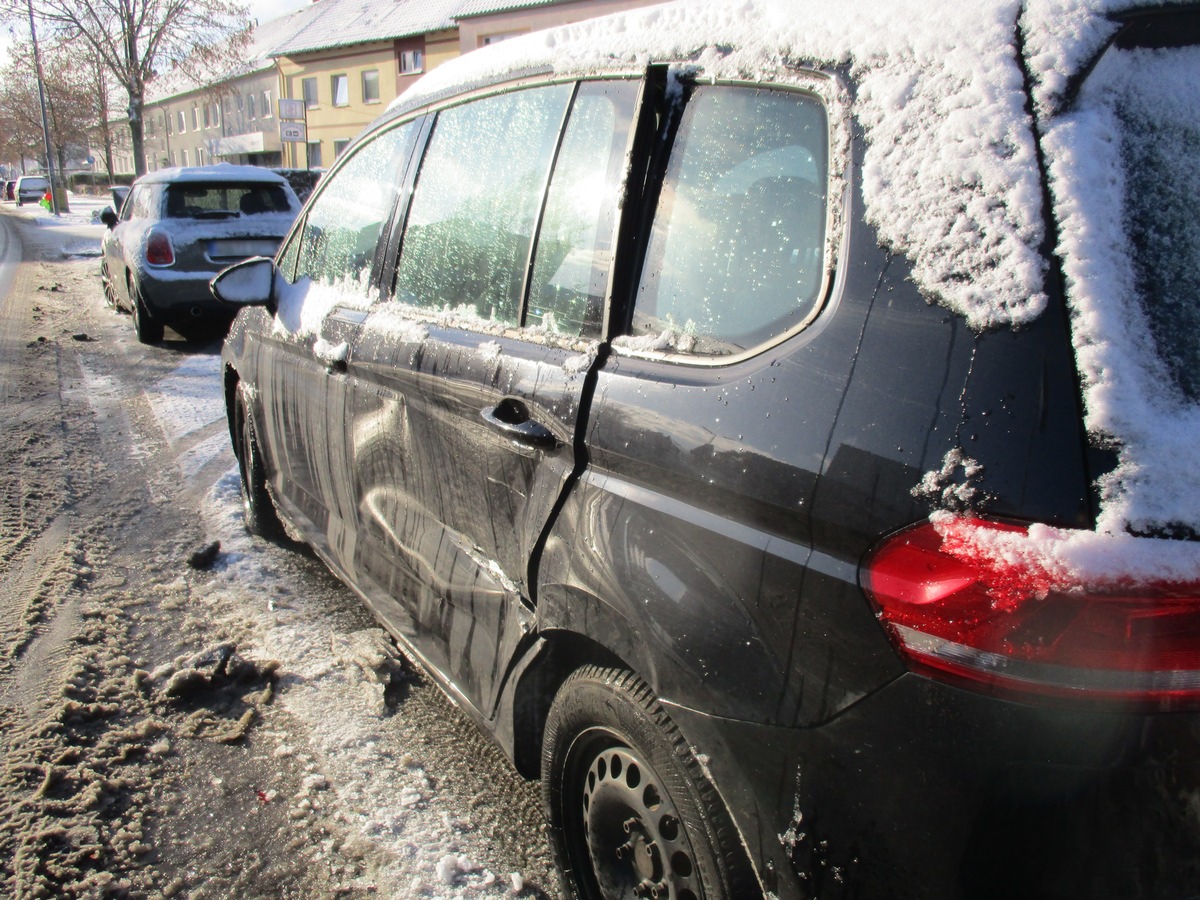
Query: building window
183	157
265	109
199	156
309	86
339	146
195	117
488	39
182	121
412	62
216	113
370	86
340	85
314	154
250	107
207	116
167	120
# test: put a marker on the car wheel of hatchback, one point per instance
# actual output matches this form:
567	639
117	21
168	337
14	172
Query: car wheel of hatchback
631	812
148	331
110	297
258	509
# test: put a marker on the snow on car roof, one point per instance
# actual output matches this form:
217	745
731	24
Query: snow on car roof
219	172
951	176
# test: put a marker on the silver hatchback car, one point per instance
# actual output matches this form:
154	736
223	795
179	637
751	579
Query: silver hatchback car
180	227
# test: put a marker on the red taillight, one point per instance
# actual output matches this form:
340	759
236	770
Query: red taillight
159	251
958	602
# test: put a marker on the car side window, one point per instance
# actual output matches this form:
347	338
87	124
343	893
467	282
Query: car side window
574	249
736	252
136	205
470	226
342	226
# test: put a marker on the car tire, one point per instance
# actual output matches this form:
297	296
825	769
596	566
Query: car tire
631	811
110	296
258	509
147	329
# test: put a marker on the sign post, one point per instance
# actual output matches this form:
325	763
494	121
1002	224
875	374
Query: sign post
293	124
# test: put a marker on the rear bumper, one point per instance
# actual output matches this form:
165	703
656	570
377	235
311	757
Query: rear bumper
175	298
924	790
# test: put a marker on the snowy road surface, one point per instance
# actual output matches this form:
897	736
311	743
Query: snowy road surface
237	728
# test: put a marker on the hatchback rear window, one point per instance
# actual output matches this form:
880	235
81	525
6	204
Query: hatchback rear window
200	200
1157	101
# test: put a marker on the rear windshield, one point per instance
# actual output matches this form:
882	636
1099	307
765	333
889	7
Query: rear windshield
200	200
39	184
1156	98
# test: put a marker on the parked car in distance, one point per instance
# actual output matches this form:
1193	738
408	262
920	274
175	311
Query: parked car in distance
31	189
10	190
778	426
177	229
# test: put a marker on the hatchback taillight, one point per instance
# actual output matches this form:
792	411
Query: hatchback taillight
159	251
1006	622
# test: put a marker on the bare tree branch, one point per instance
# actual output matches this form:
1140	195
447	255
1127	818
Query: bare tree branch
137	39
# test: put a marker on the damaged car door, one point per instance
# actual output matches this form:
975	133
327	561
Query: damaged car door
469	379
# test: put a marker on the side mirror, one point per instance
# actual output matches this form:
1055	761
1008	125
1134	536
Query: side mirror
109	217
248	283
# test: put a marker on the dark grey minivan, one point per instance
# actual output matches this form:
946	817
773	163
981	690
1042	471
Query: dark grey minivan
777	425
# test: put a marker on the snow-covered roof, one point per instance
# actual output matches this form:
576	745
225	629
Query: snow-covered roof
341	23
950	176
218	172
469	8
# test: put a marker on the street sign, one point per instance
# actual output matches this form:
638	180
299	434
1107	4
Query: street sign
291	109
292	132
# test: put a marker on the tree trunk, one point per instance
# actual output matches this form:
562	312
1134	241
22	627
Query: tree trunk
105	131
136	133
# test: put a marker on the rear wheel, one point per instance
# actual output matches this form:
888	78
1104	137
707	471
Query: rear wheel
631	812
147	329
258	509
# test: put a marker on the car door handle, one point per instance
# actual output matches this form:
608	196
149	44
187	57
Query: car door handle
511	418
332	355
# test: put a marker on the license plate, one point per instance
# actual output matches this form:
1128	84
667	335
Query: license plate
242	248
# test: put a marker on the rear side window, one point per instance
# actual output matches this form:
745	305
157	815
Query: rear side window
470	226
574	249
197	200
139	204
343	224
736	252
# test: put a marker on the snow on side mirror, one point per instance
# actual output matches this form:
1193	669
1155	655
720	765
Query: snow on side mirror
248	283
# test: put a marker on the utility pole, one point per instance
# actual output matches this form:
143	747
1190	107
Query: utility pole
37	65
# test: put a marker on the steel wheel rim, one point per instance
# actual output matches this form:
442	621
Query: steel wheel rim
632	837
